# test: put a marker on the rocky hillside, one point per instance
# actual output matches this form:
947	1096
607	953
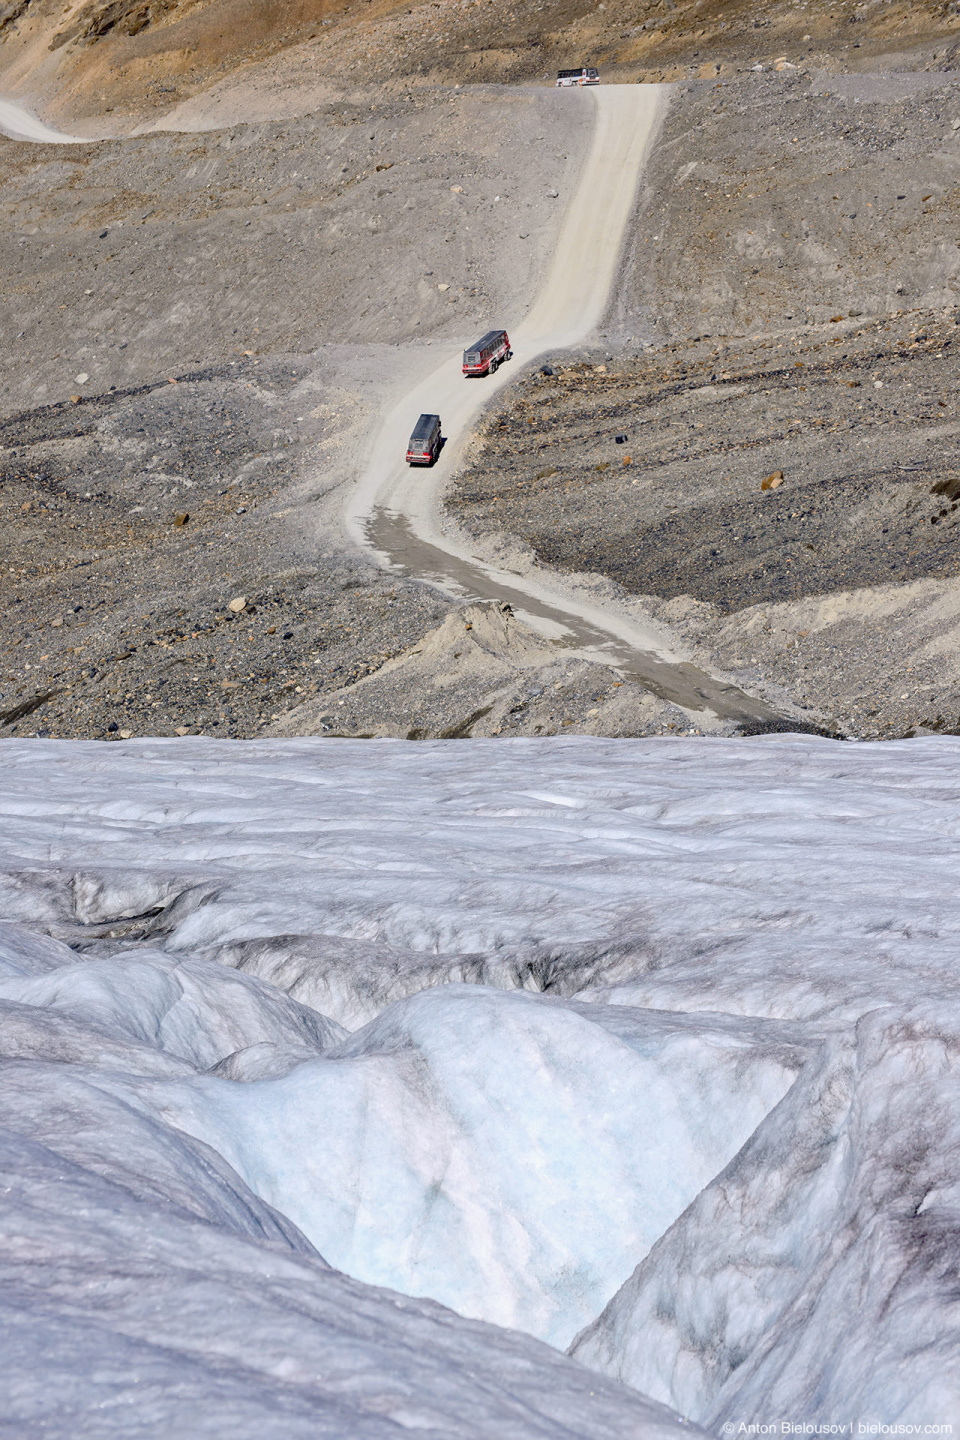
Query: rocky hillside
787	315
133	59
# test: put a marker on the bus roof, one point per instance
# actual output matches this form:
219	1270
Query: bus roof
488	341
424	427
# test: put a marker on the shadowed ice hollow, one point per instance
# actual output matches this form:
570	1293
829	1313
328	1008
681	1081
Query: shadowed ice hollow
645	1049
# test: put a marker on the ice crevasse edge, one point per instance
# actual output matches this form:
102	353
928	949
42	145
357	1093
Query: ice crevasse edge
740	1073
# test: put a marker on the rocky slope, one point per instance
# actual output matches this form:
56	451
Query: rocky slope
193	326
483	672
782	372
133	59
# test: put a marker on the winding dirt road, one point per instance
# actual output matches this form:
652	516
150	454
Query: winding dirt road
395	510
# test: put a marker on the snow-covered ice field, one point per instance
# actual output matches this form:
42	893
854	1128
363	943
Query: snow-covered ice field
644	1049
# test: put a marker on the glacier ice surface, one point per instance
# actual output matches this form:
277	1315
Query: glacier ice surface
146	1291
651	1041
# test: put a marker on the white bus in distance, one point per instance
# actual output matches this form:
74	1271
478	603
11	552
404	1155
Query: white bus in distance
584	75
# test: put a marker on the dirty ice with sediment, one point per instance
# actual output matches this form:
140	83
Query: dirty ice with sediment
347	1085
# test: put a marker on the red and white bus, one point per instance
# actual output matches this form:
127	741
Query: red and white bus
424	444
583	75
489	352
